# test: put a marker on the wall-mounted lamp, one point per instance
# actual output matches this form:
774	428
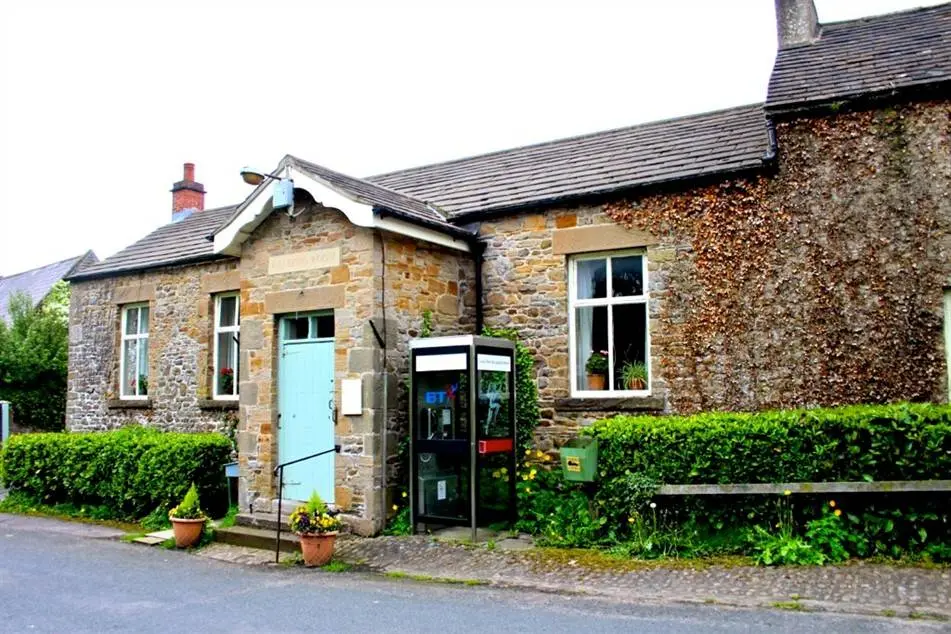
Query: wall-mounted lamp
283	195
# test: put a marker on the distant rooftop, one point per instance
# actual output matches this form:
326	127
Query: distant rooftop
38	282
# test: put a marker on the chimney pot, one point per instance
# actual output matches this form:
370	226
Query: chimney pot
796	22
189	172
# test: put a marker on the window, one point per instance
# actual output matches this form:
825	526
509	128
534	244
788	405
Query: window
607	301
134	363
316	326
227	346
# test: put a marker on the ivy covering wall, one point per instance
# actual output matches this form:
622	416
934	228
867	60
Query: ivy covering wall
821	284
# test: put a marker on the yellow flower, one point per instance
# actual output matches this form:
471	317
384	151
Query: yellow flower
527	490
832	503
496	474
504	470
525	477
630	520
787	492
539	453
838	512
546	457
395	508
405	494
528	452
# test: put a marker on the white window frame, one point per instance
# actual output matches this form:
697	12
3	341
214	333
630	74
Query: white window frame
124	337
236	328
607	300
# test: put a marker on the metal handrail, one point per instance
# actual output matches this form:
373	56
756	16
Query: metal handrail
279	471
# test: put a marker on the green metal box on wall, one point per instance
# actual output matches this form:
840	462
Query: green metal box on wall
579	459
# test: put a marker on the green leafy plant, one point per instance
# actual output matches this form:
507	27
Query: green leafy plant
772	549
189	508
33	359
597	363
314	517
131	471
830	535
634	376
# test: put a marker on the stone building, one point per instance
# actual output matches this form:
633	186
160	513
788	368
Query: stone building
790	253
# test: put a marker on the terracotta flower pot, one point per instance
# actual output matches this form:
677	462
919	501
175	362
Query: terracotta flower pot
596	381
187	532
317	548
637	384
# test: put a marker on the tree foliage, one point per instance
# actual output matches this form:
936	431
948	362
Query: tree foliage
34	359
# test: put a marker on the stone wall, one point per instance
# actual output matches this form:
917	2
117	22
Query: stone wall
526	288
181	324
822	284
419	278
347	289
819	285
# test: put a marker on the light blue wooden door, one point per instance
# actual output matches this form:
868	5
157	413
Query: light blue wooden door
305	391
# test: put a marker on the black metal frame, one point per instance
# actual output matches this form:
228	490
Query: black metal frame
279	471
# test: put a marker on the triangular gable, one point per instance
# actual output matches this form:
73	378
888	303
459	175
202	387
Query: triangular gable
342	194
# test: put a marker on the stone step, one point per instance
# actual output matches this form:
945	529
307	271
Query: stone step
257	538
263	520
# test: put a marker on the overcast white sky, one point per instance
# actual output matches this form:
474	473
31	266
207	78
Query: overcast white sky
101	103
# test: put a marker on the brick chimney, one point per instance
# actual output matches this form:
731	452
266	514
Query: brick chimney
187	195
796	22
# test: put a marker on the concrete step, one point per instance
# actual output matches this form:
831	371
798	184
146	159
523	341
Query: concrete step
257	538
263	520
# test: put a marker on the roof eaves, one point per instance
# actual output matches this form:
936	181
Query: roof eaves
116	272
924	89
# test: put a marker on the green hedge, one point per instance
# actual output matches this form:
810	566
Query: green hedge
131	471
866	442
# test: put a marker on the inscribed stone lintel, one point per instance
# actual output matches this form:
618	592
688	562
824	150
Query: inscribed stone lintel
303	261
607	237
317	298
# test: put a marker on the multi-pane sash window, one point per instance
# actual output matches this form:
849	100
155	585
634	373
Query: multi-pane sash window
227	346
134	363
608	325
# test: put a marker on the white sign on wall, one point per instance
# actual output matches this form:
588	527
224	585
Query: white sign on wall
303	261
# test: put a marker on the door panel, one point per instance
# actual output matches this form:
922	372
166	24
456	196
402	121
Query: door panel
305	405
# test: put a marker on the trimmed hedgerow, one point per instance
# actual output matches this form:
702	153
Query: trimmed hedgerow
864	442
131	471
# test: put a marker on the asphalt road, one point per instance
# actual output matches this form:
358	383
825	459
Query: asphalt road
57	578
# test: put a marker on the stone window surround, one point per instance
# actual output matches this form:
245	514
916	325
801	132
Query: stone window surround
217	329
137	336
592	239
609	302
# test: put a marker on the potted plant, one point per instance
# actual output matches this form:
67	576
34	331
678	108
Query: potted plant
597	369
634	376
318	527
188	520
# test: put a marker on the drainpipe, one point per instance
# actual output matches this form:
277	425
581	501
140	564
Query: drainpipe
771	149
478	256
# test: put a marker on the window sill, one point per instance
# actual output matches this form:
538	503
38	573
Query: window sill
121	403
622	404
210	403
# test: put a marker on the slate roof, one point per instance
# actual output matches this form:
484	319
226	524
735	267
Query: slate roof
377	195
863	57
38	282
174	243
604	162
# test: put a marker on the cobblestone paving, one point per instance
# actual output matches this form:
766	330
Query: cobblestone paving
857	588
